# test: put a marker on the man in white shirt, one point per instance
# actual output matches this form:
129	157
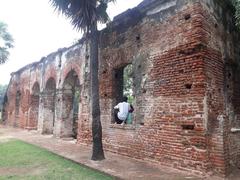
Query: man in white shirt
123	110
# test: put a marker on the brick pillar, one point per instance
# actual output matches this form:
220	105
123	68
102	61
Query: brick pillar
58	114
40	114
64	113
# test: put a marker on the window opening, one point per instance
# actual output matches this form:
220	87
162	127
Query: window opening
123	86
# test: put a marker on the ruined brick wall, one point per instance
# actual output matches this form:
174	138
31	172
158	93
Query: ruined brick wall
37	97
35	93
222	94
34	106
185	84
234	117
9	106
166	51
18	100
182	107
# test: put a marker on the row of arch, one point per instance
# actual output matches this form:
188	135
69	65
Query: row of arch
62	106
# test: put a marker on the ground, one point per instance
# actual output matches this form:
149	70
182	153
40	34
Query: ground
25	161
115	165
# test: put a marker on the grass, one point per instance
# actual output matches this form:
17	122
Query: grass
19	160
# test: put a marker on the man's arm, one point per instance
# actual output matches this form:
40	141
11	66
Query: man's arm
116	107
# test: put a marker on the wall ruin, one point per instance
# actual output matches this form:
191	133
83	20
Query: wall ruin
185	57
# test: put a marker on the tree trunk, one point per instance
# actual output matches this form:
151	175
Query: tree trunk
97	149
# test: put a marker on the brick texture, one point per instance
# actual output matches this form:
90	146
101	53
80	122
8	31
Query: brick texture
185	57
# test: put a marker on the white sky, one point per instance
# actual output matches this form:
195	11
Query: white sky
38	30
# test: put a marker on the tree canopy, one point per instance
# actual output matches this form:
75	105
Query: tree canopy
6	42
83	13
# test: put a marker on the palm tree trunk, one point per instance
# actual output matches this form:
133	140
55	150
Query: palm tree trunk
97	149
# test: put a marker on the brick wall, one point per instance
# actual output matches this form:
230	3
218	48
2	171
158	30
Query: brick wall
34	107
169	89
185	84
43	103
221	62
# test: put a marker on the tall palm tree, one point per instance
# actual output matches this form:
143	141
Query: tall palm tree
6	42
84	15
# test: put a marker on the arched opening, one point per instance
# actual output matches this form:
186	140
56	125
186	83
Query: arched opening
49	95
34	107
71	94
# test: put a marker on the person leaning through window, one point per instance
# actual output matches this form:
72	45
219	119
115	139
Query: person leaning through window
121	111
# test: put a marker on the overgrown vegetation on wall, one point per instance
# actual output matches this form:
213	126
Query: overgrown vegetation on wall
236	4
128	82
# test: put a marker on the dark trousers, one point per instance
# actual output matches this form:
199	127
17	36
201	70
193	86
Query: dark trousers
117	120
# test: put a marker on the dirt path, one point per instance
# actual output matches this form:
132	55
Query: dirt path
116	165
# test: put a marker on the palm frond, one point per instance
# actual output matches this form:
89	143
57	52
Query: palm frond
102	15
60	6
83	14
107	1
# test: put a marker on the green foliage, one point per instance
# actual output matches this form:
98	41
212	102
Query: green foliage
6	42
83	14
236	4
128	82
24	161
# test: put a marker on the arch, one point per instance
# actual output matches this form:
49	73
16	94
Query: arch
71	68
36	88
70	108
50	85
34	106
49	95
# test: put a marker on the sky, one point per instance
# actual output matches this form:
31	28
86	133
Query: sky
38	30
